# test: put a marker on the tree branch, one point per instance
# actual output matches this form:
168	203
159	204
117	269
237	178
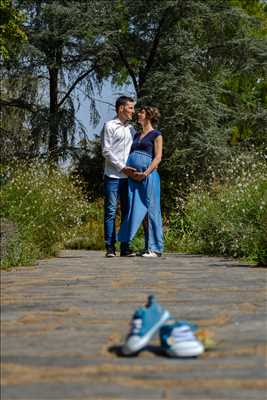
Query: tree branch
75	83
129	69
152	54
96	99
19	103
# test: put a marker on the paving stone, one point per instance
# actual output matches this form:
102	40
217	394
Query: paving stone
63	322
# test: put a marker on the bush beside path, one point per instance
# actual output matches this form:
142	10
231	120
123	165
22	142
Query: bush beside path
64	319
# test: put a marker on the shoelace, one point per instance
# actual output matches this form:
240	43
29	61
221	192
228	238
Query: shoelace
182	333
136	326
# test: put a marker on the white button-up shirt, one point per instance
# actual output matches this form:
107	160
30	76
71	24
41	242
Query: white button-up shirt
116	142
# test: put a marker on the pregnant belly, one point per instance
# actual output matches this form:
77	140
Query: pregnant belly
139	161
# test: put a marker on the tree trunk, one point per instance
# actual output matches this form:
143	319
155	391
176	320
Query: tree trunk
53	117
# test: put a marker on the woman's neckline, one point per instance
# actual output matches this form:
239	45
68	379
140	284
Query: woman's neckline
141	135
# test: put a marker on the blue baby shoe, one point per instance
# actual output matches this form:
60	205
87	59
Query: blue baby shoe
145	323
178	340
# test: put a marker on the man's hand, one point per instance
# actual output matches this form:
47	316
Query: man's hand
129	171
139	176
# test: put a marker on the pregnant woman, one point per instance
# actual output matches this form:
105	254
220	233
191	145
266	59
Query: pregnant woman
144	190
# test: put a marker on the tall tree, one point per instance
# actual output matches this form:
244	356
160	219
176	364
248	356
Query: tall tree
179	55
16	140
246	88
59	53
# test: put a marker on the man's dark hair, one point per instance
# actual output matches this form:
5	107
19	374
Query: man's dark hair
122	101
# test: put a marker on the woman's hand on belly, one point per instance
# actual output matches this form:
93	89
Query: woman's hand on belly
139	176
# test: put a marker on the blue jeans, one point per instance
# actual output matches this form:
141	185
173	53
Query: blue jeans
115	190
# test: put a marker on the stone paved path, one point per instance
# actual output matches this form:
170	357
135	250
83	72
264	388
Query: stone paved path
63	322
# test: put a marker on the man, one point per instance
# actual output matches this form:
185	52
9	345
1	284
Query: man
116	140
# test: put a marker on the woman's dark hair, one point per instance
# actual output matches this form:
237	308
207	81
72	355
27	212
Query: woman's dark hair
122	101
152	113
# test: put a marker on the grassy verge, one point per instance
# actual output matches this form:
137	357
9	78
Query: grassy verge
44	210
44	205
227	218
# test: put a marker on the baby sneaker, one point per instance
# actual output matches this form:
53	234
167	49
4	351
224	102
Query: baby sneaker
145	323
178	340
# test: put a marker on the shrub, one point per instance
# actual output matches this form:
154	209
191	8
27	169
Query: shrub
230	216
89	236
45	205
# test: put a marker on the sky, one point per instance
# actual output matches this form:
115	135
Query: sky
107	111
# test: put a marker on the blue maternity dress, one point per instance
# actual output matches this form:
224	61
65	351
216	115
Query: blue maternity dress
144	196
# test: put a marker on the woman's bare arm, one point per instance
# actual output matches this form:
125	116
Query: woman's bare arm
158	144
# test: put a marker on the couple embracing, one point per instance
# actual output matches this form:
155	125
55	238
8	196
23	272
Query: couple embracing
131	178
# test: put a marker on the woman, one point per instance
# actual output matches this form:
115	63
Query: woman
144	189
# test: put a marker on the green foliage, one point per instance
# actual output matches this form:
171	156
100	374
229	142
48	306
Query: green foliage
17	141
45	205
228	218
90	235
60	56
88	166
11	32
245	90
252	7
202	63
